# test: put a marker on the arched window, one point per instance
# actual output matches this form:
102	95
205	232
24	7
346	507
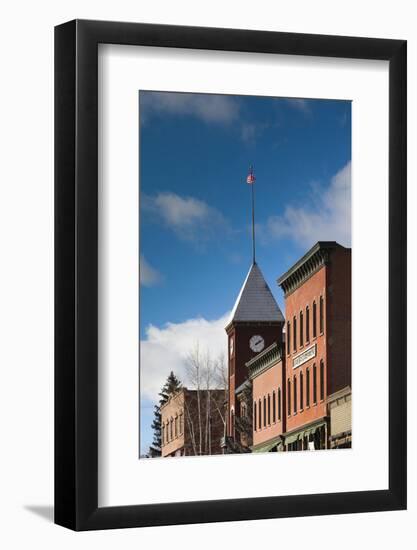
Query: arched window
289	397
307	324
171	429
264	412
176	426
274	408
232	423
301	390
295	394
321	380
269	409
260	414
163	434
294	333
254	416
314	384
279	404
301	328
308	387
314	319
321	315
288	335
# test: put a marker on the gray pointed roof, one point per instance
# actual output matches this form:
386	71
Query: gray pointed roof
255	301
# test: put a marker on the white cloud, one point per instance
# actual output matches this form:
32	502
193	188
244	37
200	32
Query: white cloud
327	215
250	132
166	349
149	276
190	218
219	109
300	105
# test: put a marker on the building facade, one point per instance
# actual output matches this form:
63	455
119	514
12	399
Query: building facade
243	439
317	292
267	372
289	380
192	423
255	323
340	417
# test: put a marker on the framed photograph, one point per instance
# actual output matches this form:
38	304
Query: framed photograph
230	255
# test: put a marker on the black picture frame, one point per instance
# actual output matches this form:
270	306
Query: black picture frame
76	272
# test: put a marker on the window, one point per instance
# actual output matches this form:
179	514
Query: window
260	415
301	329
314	384
288	338
279	403
269	409
232	423
254	416
301	390
274	408
176	426
295	394
170	429
314	319
308	388
307	324
163	434
321	313
181	424
321	380
264	412
289	398
294	333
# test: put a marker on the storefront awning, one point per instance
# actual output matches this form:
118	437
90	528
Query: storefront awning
266	448
311	431
293	437
300	435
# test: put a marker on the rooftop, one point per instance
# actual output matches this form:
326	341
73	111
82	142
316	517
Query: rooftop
312	260
255	301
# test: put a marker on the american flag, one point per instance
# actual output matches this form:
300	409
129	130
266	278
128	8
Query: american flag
251	178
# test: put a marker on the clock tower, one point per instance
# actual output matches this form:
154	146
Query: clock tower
255	323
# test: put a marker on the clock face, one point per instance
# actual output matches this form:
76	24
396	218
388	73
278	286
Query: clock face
256	343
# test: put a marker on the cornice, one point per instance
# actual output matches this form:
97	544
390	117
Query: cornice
264	360
310	263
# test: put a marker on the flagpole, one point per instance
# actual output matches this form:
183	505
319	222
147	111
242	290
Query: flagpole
253	222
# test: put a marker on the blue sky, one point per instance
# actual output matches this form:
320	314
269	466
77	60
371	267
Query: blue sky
195	238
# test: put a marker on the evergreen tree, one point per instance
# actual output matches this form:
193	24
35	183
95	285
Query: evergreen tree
171	385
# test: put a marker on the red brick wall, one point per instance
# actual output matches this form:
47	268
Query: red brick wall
305	295
185	402
238	373
333	282
339	305
266	384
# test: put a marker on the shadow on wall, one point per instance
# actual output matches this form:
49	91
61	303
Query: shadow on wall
45	512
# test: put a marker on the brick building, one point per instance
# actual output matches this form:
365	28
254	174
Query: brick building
284	393
255	323
317	293
267	372
181	422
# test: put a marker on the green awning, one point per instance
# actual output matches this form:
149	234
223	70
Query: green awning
293	437
265	448
311	431
300	435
